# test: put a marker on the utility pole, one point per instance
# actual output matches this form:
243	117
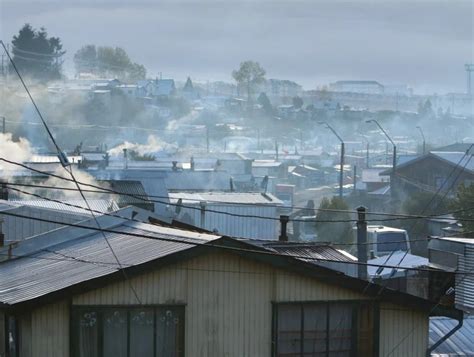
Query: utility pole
394	157
207	138
354	179
423	136
4	129
341	173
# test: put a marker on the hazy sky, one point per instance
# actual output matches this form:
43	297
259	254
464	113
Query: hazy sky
422	43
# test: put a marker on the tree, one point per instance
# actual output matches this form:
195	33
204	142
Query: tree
249	74
36	54
425	203
108	61
462	206
297	102
265	103
333	232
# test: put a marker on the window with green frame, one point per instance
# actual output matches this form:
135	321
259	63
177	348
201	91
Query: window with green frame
333	328
127	331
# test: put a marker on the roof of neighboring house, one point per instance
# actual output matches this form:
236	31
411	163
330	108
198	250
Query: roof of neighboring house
407	260
459	159
373	175
351	82
188	180
461	343
130	192
456	147
72	260
266	163
381	191
104	206
245	198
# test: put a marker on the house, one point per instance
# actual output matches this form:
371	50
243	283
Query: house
195	294
241	217
365	87
156	88
433	172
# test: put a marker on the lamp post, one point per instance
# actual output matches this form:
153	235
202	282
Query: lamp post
423	136
341	173
3	124
367	164
394	158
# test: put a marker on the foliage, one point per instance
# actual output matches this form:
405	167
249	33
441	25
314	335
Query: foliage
297	102
36	54
249	74
422	203
425	109
463	204
333	232
108	61
265	103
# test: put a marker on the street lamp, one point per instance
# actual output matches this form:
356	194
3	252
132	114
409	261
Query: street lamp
423	136
3	124
341	173
394	159
366	149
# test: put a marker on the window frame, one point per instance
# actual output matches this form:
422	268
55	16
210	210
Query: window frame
355	305
75	310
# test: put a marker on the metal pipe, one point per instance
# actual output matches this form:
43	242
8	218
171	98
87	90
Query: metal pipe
361	243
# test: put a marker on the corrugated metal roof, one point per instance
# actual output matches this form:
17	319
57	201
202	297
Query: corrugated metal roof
456	158
459	344
45	272
96	205
225	197
130	189
408	260
312	251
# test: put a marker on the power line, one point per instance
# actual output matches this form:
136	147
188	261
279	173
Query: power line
210	245
146	222
62	157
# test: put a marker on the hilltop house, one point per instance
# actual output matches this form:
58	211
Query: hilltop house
180	293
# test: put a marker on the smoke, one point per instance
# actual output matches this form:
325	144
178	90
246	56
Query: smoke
18	151
154	146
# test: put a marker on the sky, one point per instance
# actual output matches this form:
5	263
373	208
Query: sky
422	43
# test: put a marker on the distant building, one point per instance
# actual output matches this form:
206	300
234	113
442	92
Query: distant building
366	87
188	91
156	88
281	88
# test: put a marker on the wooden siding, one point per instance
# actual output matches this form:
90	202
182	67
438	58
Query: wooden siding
50	331
228	307
403	332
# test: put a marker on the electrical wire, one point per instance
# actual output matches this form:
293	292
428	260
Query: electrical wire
152	224
60	154
210	244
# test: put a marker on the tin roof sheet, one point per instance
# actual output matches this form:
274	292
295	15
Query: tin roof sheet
461	343
88	257
225	197
104	206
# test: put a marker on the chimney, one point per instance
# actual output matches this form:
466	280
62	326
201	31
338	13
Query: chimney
231	183
4	192
175	165
125	156
2	236
283	222
361	243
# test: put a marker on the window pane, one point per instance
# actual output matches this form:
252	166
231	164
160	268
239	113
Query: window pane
141	333
315	325
340	330
115	333
88	335
169	332
289	330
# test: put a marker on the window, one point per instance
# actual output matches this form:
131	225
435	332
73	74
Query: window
116	331
324	329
